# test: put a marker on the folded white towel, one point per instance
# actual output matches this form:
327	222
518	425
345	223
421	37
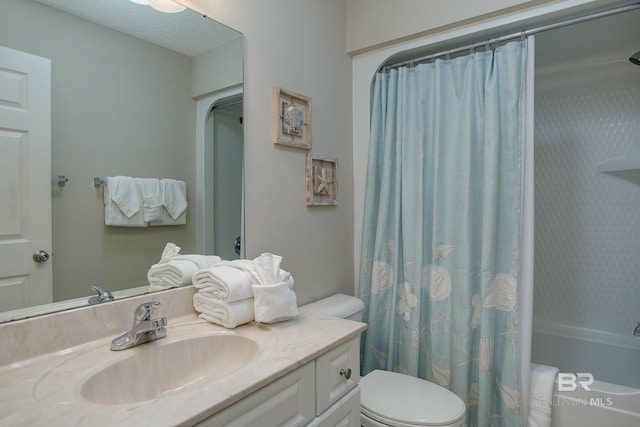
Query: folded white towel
174	269
180	270
151	198
122	203
171	252
174	198
541	394
227	314
228	280
171	274
275	303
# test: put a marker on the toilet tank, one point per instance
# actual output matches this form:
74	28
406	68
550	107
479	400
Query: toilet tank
338	305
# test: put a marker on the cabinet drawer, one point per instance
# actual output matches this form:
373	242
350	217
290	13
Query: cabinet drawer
286	402
332	370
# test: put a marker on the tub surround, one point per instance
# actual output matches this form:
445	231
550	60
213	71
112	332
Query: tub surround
44	362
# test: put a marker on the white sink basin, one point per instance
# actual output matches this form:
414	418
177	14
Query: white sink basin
161	367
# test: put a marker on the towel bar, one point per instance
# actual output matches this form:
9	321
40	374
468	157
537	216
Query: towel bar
59	180
99	182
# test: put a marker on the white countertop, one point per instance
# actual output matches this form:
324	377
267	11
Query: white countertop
45	389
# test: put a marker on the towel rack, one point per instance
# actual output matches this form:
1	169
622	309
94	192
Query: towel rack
99	182
59	180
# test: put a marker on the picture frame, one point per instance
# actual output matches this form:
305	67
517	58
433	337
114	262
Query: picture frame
291	119
321	180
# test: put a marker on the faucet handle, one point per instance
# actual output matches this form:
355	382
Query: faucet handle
103	295
145	312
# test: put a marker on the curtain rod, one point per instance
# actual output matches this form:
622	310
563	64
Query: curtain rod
520	34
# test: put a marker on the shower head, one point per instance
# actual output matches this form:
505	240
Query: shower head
635	58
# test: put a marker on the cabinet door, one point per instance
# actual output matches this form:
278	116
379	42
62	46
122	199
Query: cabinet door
346	413
337	372
286	402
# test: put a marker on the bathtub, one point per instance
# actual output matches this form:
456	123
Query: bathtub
614	361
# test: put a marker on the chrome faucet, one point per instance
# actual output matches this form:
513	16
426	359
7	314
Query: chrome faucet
636	331
145	328
103	295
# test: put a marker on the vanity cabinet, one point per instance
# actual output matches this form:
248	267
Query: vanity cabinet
322	393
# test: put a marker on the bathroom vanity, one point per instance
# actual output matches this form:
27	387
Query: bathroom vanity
58	370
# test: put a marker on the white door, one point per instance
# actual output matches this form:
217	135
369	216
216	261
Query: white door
25	179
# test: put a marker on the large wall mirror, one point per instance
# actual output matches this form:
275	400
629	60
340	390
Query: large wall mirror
128	84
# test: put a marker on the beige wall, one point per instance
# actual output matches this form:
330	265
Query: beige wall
219	68
298	45
142	125
376	22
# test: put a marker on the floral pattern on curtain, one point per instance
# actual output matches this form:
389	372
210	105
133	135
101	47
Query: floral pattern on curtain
442	221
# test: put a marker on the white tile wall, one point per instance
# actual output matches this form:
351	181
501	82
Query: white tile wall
587	235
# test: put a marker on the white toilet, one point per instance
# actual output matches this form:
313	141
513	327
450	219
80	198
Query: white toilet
392	399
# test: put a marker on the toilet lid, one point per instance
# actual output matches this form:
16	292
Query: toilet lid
392	397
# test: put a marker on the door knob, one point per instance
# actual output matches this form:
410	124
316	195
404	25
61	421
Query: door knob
40	256
237	245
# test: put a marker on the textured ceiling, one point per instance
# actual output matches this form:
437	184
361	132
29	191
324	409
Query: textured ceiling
187	32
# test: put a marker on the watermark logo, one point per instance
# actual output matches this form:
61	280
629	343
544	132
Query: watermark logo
570	382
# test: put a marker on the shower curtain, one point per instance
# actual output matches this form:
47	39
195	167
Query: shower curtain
440	264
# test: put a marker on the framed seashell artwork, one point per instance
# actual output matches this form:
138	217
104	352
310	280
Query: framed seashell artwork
321	180
291	118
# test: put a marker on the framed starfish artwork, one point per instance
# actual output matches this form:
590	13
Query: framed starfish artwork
291	118
321	180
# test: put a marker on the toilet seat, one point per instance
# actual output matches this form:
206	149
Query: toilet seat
399	400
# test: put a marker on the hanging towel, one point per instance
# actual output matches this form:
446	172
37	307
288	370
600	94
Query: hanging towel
227	314
165	217
541	394
122	202
228	280
174	197
124	192
151	198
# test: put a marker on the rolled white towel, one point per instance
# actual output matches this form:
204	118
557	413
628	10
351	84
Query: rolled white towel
541	394
171	274
275	303
228	280
227	314
178	271
200	261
